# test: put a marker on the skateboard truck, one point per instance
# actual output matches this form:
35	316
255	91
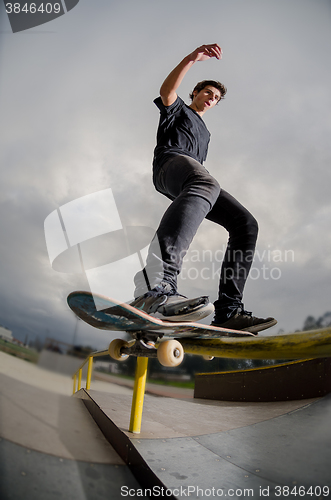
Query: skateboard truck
169	352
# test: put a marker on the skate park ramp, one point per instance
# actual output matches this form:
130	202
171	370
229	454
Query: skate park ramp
53	445
206	448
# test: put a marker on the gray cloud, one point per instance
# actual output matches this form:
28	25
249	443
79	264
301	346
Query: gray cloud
77	117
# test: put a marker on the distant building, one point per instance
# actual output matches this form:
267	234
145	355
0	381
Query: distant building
6	334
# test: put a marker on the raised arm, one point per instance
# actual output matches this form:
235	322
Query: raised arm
171	83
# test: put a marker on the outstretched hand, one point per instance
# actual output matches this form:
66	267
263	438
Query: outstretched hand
206	52
168	90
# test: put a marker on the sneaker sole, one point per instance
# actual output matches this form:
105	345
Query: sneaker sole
261	327
196	315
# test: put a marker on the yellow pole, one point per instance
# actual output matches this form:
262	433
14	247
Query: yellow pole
74	384
79	379
89	373
138	395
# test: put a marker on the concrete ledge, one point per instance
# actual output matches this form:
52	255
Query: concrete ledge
285	382
222	445
122	445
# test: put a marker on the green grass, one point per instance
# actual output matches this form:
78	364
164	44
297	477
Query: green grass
18	351
187	384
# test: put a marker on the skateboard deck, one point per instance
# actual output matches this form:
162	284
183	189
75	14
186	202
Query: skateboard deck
113	315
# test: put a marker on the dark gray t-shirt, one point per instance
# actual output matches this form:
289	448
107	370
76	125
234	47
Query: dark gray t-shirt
181	131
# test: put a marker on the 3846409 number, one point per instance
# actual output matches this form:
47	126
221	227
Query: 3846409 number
32	8
301	491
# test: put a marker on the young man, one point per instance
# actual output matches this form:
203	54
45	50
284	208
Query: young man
178	173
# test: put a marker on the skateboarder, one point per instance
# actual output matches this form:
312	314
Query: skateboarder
179	174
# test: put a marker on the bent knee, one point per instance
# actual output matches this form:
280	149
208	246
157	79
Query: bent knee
211	190
205	186
251	225
214	188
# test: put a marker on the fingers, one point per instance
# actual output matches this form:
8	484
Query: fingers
206	52
213	50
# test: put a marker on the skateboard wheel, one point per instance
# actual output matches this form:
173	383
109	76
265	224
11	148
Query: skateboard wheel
115	347
170	353
208	358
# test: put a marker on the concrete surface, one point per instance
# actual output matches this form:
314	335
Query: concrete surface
50	423
37	376
164	418
202	448
50	446
30	475
288	451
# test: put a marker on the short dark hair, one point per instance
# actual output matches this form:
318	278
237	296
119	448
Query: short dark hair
213	83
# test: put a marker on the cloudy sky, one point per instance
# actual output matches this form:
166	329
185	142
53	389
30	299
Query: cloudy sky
77	117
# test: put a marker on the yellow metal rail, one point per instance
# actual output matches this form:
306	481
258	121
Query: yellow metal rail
301	345
138	395
77	376
138	390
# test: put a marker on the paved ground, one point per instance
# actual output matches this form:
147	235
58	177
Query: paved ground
36	376
163	419
50	446
202	448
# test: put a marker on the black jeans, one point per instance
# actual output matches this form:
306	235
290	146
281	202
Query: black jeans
196	195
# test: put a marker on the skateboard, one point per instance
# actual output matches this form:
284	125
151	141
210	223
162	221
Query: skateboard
151	337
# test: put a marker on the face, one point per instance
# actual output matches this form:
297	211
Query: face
207	98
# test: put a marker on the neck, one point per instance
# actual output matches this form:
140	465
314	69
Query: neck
192	106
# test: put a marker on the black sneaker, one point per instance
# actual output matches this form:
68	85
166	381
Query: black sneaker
168	305
245	321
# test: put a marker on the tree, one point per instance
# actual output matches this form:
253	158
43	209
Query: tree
312	323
